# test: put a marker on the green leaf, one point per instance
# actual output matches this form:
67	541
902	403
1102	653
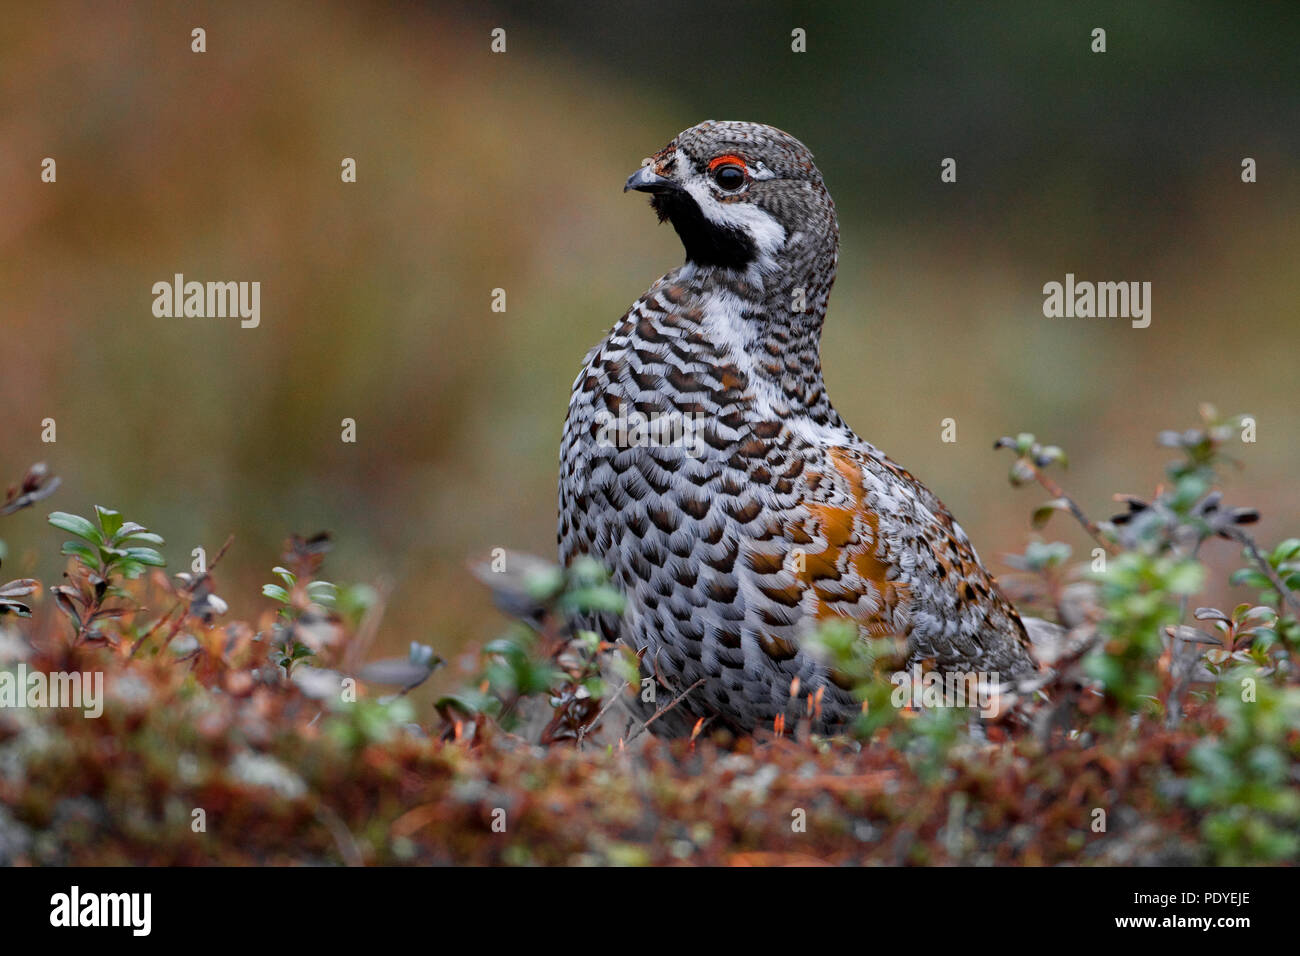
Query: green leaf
544	583
1021	472
424	655
598	598
147	537
1248	576
1055	453
1043	513
1285	551
503	646
1040	555
129	569
146	556
586	571
1189	490
75	524
1260	614
109	520
322	592
287	576
276	592
84	552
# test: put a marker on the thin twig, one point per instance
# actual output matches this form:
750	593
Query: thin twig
344	841
1174	706
179	604
368	627
149	633
171	631
220	554
1261	562
582	731
664	709
1056	491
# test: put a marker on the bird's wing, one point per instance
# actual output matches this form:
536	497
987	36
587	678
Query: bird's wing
870	543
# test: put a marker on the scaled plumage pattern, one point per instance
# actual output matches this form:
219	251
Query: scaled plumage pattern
733	541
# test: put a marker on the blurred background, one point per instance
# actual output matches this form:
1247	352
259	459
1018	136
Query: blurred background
478	171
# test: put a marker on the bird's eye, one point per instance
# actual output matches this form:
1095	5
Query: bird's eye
730	177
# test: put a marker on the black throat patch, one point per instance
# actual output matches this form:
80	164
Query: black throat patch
707	243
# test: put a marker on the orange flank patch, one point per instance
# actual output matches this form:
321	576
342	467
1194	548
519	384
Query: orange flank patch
848	569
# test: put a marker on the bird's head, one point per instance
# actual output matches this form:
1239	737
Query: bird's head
742	196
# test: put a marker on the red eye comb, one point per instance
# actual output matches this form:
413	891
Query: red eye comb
723	160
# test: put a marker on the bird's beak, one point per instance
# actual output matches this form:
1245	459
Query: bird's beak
646	180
